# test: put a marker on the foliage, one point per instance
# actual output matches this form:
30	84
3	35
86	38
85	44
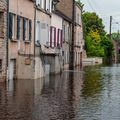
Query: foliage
116	36
97	42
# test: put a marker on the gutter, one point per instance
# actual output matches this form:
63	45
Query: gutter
71	66
34	26
7	42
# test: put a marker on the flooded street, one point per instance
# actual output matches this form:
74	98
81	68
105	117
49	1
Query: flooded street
89	94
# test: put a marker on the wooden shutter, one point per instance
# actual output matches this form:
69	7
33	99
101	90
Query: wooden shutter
54	37
30	29
18	27
24	28
61	40
58	38
10	25
50	36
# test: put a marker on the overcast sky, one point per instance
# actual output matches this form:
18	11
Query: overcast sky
105	9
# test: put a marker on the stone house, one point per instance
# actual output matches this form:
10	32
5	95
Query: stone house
3	40
78	39
48	44
21	39
65	10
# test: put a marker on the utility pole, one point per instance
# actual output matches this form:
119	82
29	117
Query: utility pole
110	33
71	64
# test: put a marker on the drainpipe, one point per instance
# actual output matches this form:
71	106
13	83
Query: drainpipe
34	31
7	42
34	25
71	66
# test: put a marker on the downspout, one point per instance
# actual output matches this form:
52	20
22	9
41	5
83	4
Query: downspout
7	42
34	33
72	43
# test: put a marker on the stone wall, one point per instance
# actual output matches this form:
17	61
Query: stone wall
65	6
3	38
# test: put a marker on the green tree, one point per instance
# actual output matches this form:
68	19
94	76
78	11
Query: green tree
96	40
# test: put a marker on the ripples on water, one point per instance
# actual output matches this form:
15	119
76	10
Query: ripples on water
91	94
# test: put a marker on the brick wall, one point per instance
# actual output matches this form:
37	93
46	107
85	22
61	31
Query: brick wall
3	38
65	6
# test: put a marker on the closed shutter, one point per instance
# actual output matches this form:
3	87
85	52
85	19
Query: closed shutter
24	28
48	34
18	27
58	37
61	40
38	2
38	31
51	36
43	31
47	5
30	29
10	25
54	37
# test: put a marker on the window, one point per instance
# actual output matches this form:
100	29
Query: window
38	31
44	4
0	65
12	26
53	41
59	38
27	29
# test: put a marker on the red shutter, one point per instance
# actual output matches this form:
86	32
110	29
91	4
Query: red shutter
58	38
54	37
51	36
61	41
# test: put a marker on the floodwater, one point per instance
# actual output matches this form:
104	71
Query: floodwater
89	94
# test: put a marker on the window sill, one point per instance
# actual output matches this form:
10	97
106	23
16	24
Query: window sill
27	41
14	40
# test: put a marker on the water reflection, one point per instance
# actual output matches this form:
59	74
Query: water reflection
90	94
92	82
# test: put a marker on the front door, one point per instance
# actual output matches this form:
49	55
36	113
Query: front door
12	69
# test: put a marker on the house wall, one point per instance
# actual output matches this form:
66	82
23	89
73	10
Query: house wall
56	21
45	19
67	37
24	9
65	6
3	38
78	40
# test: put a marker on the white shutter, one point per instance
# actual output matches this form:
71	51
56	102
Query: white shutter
43	4
48	34
37	31
44	37
47	5
50	5
53	37
38	2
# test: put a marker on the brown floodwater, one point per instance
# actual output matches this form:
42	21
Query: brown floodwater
92	93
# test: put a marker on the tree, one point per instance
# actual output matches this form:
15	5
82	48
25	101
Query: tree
96	40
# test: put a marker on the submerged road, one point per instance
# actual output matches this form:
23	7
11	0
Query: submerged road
92	93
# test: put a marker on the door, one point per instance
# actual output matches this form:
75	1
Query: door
12	69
